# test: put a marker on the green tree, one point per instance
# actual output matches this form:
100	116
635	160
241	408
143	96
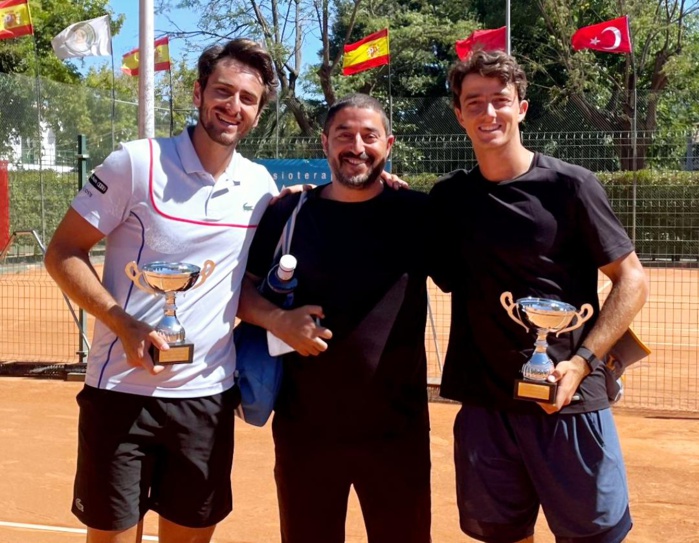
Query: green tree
28	56
422	45
422	36
111	119
603	86
49	17
282	26
183	78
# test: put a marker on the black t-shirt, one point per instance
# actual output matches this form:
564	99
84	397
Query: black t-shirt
349	256
543	234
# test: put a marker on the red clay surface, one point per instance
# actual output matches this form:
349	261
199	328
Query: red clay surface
37	456
36	326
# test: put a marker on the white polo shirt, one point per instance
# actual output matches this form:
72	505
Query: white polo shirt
170	209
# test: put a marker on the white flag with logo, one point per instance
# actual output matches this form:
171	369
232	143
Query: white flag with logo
90	38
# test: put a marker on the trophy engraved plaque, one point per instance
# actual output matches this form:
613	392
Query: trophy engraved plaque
169	278
544	316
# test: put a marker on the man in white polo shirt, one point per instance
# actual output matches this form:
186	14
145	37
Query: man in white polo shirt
155	436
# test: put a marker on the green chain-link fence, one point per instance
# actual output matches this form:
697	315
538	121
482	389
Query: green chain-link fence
658	205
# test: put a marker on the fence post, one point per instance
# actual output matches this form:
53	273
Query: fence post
82	178
4	206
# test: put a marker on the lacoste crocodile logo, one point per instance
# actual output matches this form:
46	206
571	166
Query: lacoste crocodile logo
247	207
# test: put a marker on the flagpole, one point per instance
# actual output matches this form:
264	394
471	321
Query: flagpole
113	96
172	109
146	89
508	30
634	138
634	151
276	138
390	97
39	146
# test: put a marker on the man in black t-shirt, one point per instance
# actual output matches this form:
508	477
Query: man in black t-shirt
534	226
355	412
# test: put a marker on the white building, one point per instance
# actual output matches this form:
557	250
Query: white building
25	154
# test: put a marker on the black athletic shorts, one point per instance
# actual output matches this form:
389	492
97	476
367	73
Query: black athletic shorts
170	455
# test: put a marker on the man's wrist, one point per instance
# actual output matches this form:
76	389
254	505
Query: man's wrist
588	356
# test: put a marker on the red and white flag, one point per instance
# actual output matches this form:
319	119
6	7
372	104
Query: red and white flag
486	40
610	36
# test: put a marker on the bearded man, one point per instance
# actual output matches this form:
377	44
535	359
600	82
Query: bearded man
352	410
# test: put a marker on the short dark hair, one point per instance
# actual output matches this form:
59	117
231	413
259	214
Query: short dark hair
496	64
360	101
247	52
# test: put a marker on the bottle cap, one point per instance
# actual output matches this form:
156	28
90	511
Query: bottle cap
287	262
287	265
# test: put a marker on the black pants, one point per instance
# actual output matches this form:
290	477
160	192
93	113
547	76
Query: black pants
390	476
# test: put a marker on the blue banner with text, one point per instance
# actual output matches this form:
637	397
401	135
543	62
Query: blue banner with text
297	171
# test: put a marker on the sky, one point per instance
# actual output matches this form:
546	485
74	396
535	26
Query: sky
128	38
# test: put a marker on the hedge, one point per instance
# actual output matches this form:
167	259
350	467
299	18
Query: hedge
667	210
667	206
26	195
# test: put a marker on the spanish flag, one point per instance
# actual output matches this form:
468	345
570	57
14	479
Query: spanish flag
368	53
15	19
129	62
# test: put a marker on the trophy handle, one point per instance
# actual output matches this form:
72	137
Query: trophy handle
133	273
510	306
206	270
580	317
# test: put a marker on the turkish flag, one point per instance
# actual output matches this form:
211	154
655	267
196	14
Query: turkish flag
487	40
611	36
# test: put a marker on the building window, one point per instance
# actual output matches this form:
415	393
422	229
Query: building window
30	154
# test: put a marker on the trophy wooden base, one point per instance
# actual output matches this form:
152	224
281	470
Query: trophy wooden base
535	391
181	353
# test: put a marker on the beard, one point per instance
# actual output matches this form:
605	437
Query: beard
215	132
359	181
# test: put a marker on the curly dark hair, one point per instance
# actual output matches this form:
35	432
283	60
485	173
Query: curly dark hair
496	64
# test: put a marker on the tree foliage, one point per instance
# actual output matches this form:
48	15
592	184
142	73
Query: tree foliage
36	70
49	17
611	90
422	39
282	26
422	35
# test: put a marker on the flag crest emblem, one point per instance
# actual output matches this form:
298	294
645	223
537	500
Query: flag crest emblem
80	39
367	53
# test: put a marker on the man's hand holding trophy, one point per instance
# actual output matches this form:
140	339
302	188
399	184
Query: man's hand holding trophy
544	316
168	278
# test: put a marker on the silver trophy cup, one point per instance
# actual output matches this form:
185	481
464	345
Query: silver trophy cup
544	316
168	278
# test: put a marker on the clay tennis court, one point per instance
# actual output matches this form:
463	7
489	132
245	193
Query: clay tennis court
38	433
37	455
36	326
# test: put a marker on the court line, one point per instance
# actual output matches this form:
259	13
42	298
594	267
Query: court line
48	528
